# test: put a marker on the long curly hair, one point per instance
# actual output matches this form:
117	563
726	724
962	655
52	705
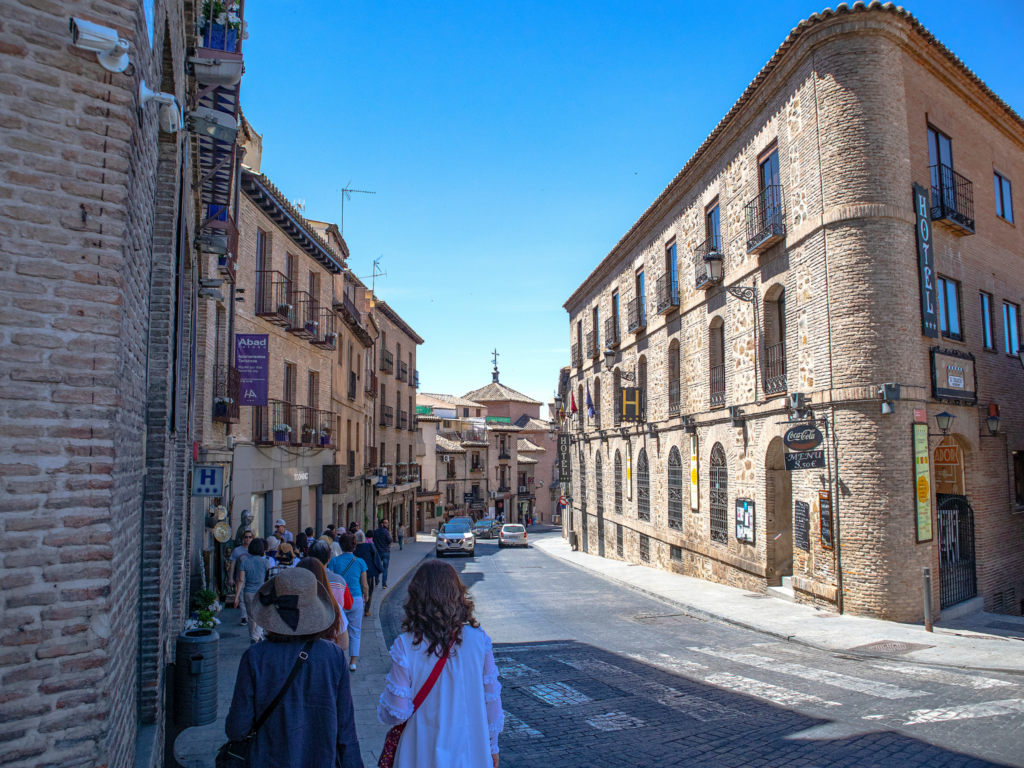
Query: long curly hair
437	607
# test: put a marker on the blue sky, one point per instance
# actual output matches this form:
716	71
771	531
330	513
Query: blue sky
512	144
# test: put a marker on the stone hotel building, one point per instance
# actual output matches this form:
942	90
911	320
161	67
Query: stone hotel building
842	253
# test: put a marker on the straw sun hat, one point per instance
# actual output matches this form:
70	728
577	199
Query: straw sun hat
293	603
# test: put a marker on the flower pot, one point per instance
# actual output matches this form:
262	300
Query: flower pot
284	309
311	329
325	440
281	437
220	409
219	38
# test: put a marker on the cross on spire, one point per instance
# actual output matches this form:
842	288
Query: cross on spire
494	375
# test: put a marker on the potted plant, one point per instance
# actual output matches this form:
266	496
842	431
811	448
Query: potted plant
311	327
204	607
281	433
284	309
325	436
308	433
220	406
330	338
220	24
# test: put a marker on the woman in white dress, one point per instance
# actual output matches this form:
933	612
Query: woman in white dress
457	725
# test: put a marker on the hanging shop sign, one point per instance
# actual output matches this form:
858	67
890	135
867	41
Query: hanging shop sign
926	264
423	410
922	487
802	437
948	468
498	420
953	376
694	477
631	405
629	471
805	460
802	525
564	459
252	361
207	479
825	516
746	520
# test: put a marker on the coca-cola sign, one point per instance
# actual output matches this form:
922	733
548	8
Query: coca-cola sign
802	437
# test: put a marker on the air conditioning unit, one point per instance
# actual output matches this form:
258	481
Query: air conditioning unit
494	494
445	458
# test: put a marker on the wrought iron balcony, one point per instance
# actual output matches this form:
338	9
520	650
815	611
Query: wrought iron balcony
504	487
952	199
275	423
766	219
387	361
325	435
387	416
350	306
666	294
326	330
416	379
709	250
637	315
717	386
504	455
611	331
309	425
227	389
414	422
273	294
370	383
352	387
403	419
403	371
775	369
577	360
301	322
593	348
371	459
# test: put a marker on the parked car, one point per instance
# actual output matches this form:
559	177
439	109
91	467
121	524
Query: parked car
486	529
463	520
512	535
455	538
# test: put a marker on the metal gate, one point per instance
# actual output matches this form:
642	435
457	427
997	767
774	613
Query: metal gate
958	578
586	536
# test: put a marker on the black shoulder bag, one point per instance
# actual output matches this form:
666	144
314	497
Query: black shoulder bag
235	754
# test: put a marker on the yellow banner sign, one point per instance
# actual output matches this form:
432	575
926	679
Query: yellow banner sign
922	484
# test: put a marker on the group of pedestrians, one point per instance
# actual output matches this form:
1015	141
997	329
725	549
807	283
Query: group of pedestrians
292	703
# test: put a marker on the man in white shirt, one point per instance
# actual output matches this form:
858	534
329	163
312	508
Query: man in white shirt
281	533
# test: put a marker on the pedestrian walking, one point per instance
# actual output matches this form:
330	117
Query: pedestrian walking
401	536
281	532
338	633
367	552
442	664
252	574
382	541
295	687
353	570
240	551
302	545
310	536
353	527
286	555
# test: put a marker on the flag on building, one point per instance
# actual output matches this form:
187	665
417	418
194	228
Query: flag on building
572	403
590	403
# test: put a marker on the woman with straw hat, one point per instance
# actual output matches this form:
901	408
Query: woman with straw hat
294	690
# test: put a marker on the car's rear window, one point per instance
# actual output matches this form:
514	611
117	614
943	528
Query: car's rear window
455	528
514	529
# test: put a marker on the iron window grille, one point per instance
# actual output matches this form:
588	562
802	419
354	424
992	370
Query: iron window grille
719	482
643	488
611	331
676	553
645	548
666	291
577	361
599	486
952	198
675	490
766	219
618	540
775	368
592	348
583	481
637	315
617	482
717	392
674	390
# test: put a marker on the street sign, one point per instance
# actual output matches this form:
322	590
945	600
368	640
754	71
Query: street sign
562	501
802	437
825	514
631	406
207	480
467	498
805	460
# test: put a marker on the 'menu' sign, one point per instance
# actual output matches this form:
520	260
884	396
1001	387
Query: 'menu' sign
926	263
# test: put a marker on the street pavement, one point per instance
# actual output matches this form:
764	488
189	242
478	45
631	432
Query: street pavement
597	674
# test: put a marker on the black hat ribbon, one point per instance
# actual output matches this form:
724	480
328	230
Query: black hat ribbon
287	605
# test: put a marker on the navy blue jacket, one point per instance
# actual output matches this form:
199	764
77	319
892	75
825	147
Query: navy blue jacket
382	540
374	566
314	725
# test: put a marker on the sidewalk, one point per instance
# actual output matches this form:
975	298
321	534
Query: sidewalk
970	643
197	747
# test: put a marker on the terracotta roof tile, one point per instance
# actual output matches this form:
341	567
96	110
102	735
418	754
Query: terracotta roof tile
443	445
528	446
495	392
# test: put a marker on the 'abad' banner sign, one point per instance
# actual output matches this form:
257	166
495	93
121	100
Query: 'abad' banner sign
252	359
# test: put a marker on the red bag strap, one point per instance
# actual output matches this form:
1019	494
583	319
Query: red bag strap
429	684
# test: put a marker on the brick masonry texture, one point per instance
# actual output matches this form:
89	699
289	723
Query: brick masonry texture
846	105
92	575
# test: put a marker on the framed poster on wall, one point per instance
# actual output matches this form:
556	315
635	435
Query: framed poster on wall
922	485
746	521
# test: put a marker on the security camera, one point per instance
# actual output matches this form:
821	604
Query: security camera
170	109
110	48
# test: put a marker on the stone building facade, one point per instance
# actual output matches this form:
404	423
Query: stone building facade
784	259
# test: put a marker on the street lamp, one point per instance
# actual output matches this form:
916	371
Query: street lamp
944	421
609	356
993	424
713	266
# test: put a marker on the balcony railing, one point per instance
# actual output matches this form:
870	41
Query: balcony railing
666	293
351	464
504	455
617	406
416	379
718	386
952	199
674	396
370	383
273	291
710	249
577	359
403	371
403	419
352	385
775	369
766	219
371	459
476	468
309	425
387	416
387	361
275	423
414	422
637	315
504	487
227	389
326	434
327	331
350	306
611	331
593	350
300	321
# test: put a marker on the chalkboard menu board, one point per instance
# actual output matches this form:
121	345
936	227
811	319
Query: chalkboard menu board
802	525
825	507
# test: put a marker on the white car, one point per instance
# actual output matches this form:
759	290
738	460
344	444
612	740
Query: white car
512	535
455	538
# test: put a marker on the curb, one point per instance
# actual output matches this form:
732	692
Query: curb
377	628
700	613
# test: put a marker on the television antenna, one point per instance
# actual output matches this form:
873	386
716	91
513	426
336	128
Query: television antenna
346	192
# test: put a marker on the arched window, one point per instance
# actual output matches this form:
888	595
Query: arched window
599	485
674	391
641	383
583	479
716	362
618	482
643	487
617	395
719	479
581	408
675	490
597	402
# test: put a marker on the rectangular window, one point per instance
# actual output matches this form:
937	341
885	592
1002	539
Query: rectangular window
597	331
1011	327
940	149
313	390
645	548
1018	477
615	307
986	321
673	268
769	176
640	292
290	383
713	227
676	553
1004	197
949	308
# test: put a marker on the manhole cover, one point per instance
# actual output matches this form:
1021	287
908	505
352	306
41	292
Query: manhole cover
890	647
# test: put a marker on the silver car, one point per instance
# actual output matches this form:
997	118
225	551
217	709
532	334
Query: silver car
455	538
512	535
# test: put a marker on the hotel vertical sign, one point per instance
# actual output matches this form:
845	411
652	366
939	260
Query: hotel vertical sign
922	485
926	264
694	488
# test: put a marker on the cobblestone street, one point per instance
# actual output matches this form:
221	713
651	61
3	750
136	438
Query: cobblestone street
596	675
